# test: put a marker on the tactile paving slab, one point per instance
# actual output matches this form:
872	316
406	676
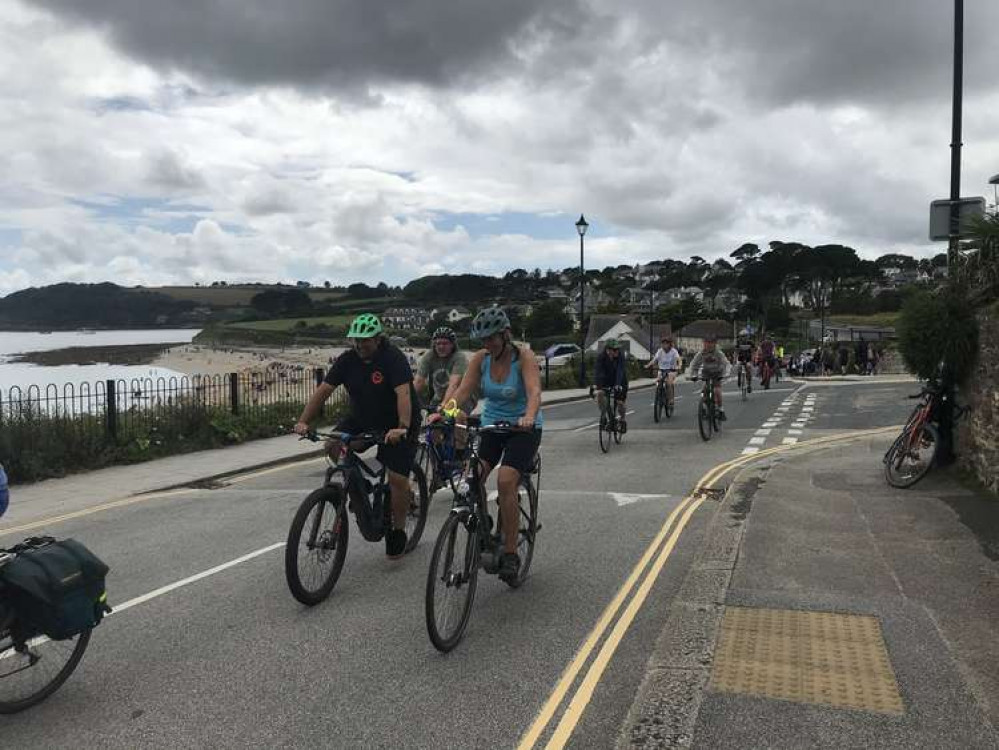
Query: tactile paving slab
827	658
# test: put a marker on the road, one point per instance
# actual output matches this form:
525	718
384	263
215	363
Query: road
201	655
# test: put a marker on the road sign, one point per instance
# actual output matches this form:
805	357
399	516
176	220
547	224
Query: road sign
968	208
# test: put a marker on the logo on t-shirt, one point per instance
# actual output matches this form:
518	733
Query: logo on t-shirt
377	378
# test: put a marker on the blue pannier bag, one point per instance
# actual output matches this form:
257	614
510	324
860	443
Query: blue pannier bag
56	589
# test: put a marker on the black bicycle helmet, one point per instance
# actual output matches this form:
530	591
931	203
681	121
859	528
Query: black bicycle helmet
444	332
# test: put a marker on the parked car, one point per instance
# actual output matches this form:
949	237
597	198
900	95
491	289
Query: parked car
559	355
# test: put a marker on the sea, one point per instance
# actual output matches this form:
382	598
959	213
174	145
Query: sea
23	375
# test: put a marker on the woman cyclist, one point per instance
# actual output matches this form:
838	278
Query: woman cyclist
506	376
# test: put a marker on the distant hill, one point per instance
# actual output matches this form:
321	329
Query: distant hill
68	306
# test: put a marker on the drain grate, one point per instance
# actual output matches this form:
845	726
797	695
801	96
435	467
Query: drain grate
805	656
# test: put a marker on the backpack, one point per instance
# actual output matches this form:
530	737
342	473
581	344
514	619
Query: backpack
56	589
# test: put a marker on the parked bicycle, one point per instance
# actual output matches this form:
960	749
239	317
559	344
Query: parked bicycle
914	451
609	427
470	540
664	400
707	411
319	533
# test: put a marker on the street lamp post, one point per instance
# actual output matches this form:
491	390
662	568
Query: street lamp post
581	227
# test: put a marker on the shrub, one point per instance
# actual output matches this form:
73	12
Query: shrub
938	328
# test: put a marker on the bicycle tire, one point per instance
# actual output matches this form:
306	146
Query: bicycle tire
617	434
467	578
603	434
425	460
7	651
657	405
419	506
335	542
703	420
929	435
527	501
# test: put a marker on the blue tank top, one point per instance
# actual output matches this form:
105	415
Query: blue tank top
506	401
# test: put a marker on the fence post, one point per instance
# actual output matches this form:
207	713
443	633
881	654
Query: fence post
320	375
234	392
111	409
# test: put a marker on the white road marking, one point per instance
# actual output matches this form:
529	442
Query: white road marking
623	498
757	440
794	432
764	431
597	424
197	577
798	425
750	450
789	441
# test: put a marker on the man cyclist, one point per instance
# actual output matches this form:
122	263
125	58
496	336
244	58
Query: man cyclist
379	382
744	354
711	364
507	376
611	372
668	360
768	355
442	366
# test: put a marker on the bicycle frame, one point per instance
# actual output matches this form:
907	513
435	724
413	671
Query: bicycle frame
372	517
612	398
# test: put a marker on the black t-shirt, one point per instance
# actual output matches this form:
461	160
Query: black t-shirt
371	387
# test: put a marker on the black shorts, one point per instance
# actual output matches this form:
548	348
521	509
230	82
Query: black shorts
398	458
517	449
745	357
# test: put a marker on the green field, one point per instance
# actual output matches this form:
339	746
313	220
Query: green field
287	324
877	320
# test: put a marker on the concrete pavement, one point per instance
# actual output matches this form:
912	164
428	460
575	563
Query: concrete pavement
823	533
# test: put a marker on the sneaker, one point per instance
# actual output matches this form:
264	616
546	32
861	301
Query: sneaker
622	426
509	567
721	415
395	544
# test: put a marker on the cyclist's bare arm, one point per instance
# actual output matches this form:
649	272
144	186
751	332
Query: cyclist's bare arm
532	384
323	391
471	380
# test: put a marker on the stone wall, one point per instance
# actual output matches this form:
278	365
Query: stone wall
978	431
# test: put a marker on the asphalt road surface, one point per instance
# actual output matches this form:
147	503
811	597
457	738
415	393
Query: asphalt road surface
205	654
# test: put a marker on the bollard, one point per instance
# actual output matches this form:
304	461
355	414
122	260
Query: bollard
111	410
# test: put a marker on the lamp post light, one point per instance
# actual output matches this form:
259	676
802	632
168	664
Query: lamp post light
581	227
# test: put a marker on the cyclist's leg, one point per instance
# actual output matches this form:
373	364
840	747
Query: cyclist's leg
518	457
398	460
717	384
601	401
622	405
671	379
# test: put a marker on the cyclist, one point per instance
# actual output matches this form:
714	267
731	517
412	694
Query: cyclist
744	354
442	367
668	359
379	383
507	376
711	364
768	354
612	372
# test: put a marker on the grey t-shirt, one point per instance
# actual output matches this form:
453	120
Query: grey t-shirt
438	372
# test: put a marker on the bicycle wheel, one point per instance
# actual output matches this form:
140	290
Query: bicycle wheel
527	497
425	460
604	433
911	456
419	505
704	420
31	672
454	571
657	405
317	545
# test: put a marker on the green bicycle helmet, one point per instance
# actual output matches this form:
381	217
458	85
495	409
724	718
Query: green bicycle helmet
612	344
364	326
489	321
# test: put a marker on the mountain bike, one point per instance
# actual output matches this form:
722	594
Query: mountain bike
707	412
32	666
441	462
609	428
663	403
319	533
914	451
470	540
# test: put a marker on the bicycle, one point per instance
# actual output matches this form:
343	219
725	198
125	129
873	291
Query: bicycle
744	380
918	442
32	666
468	541
766	373
609	428
663	403
707	412
323	547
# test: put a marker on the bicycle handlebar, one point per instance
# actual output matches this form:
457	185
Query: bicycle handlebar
345	437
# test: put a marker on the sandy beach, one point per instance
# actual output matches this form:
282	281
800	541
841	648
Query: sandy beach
194	359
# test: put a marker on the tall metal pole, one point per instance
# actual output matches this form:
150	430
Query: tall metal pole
582	330
955	138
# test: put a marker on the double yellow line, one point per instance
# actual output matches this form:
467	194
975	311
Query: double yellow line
663	544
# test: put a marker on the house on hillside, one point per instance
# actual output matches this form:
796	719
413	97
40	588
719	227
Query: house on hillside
691	336
554	292
635	338
406	318
450	314
840	332
592	301
636	297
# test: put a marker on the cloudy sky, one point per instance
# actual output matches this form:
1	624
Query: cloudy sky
161	141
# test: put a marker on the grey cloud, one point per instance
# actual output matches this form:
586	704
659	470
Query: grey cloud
169	170
333	43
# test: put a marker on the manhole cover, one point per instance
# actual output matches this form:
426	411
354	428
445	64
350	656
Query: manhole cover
810	657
